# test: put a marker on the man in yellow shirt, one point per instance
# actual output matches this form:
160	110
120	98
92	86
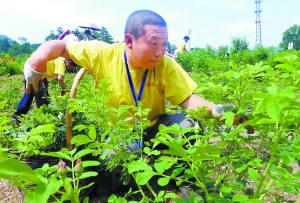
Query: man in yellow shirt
138	65
181	46
138	70
55	68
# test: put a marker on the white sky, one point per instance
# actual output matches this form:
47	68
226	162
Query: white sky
211	22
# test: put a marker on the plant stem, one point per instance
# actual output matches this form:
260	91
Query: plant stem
270	183
203	180
151	190
273	152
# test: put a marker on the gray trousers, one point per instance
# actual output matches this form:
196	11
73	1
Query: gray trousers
150	133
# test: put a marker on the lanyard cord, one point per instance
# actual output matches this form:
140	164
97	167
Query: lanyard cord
136	100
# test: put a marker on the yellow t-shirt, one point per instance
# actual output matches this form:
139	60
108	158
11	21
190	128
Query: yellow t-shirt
181	46
166	81
55	67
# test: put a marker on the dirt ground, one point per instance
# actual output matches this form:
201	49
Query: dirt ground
104	188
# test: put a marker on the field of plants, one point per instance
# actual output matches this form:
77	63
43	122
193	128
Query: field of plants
224	164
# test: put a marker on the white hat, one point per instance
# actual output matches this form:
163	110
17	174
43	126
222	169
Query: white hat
70	37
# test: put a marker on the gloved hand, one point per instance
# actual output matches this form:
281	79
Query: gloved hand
32	77
249	128
63	92
218	110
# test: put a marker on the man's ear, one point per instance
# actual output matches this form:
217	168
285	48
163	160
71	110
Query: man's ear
129	40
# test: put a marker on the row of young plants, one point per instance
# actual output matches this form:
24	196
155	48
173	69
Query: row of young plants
224	164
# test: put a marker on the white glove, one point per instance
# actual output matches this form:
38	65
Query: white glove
32	77
218	110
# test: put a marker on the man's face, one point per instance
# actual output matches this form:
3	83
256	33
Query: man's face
69	65
148	49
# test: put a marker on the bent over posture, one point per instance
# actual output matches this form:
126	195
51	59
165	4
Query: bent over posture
55	68
138	70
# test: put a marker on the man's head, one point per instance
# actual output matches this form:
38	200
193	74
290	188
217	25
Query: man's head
146	37
138	19
70	64
87	32
186	38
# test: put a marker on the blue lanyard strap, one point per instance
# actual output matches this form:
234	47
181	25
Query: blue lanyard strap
136	100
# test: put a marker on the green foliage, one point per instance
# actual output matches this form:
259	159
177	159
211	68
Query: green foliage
203	60
9	65
291	35
239	44
103	35
221	161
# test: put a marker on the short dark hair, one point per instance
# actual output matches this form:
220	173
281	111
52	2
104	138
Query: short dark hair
87	32
186	37
138	19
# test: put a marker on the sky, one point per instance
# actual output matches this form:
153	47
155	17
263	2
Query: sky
207	22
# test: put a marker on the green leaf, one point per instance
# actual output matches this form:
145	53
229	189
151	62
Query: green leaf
296	149
144	177
160	166
203	149
79	127
226	190
286	93
47	128
163	181
15	170
241	169
83	152
92	133
138	166
88	174
60	155
239	198
272	89
80	140
253	174
273	109
90	163
170	196
265	121
255	201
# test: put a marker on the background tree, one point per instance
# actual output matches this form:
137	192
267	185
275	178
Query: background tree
222	50
20	50
103	35
4	45
291	35
52	36
171	46
239	44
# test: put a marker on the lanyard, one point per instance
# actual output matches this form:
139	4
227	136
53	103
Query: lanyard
136	100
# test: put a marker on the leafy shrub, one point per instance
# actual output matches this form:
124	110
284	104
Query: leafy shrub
9	65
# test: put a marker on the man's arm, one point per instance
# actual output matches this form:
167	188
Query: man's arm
35	67
61	83
48	51
195	101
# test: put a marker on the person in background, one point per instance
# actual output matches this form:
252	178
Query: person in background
182	44
88	35
55	68
172	54
139	60
80	38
